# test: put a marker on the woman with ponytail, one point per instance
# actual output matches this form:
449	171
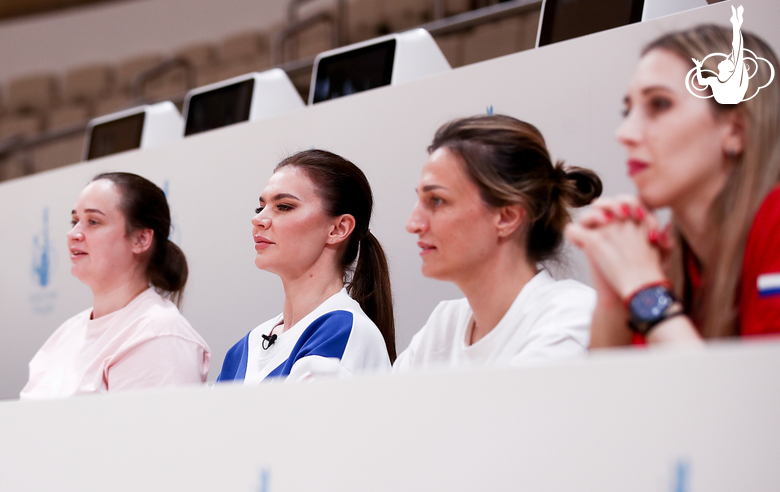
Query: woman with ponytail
133	336
312	230
491	209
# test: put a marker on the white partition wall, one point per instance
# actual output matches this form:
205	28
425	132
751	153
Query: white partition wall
571	90
652	422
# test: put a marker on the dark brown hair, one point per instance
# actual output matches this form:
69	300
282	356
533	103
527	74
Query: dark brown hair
509	162
754	173
145	207
344	189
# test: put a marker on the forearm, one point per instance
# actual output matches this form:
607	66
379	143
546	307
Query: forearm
609	327
678	329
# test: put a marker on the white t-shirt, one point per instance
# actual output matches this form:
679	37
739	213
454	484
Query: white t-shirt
146	344
548	320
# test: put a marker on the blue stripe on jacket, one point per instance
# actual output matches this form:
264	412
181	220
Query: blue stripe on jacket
234	366
327	336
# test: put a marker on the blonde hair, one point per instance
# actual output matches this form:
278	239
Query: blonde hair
754	173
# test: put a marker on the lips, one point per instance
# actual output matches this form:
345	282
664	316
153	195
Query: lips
636	166
262	242
77	253
426	248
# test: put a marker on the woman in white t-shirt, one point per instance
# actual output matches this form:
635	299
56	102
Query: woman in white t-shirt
133	336
491	209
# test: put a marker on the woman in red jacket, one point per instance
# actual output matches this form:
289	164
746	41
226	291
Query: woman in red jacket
715	271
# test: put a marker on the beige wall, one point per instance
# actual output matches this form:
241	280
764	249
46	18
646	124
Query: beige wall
119	30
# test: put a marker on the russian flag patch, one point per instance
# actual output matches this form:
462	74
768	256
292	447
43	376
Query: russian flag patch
768	284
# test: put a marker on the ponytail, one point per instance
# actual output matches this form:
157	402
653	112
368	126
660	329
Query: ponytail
167	270
370	287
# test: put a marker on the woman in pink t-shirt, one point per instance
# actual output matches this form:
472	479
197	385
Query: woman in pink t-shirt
133	336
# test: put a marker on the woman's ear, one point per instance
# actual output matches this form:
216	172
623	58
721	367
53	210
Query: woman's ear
509	219
341	229
142	240
733	140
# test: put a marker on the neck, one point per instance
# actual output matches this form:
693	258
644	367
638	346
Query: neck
693	220
304	292
116	296
492	290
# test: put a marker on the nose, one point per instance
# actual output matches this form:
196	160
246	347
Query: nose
261	220
629	133
75	234
416	223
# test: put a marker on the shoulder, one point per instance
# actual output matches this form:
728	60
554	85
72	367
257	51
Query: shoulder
768	215
565	294
154	316
764	235
448	310
342	314
759	304
445	322
69	327
553	309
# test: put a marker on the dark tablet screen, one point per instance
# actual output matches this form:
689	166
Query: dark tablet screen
116	136
566	19
219	107
354	71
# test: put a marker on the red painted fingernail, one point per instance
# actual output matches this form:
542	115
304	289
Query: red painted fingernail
608	216
639	213
625	211
652	236
663	238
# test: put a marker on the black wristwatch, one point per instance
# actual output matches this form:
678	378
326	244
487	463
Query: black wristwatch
651	305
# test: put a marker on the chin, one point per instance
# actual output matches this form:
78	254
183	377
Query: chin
435	273
653	199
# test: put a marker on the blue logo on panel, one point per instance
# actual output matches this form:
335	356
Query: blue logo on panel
42	267
680	477
263	481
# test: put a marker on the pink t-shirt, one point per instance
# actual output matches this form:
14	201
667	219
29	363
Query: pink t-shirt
146	344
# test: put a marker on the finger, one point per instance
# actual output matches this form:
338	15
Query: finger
576	234
622	207
594	217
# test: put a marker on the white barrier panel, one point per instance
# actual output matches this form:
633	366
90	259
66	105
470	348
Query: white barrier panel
571	90
652	422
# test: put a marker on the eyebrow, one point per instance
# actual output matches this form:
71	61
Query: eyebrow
281	196
647	90
653	88
88	211
432	187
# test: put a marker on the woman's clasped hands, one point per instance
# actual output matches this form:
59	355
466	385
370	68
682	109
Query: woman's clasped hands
626	248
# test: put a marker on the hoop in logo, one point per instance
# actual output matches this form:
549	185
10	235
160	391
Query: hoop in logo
730	84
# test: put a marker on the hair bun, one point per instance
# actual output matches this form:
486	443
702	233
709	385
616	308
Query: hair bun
580	186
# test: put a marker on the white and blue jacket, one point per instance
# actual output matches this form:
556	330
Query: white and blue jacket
335	339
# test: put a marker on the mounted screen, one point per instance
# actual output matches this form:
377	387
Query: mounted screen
219	107
566	19
354	71
116	136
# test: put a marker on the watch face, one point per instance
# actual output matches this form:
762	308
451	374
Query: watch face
650	304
